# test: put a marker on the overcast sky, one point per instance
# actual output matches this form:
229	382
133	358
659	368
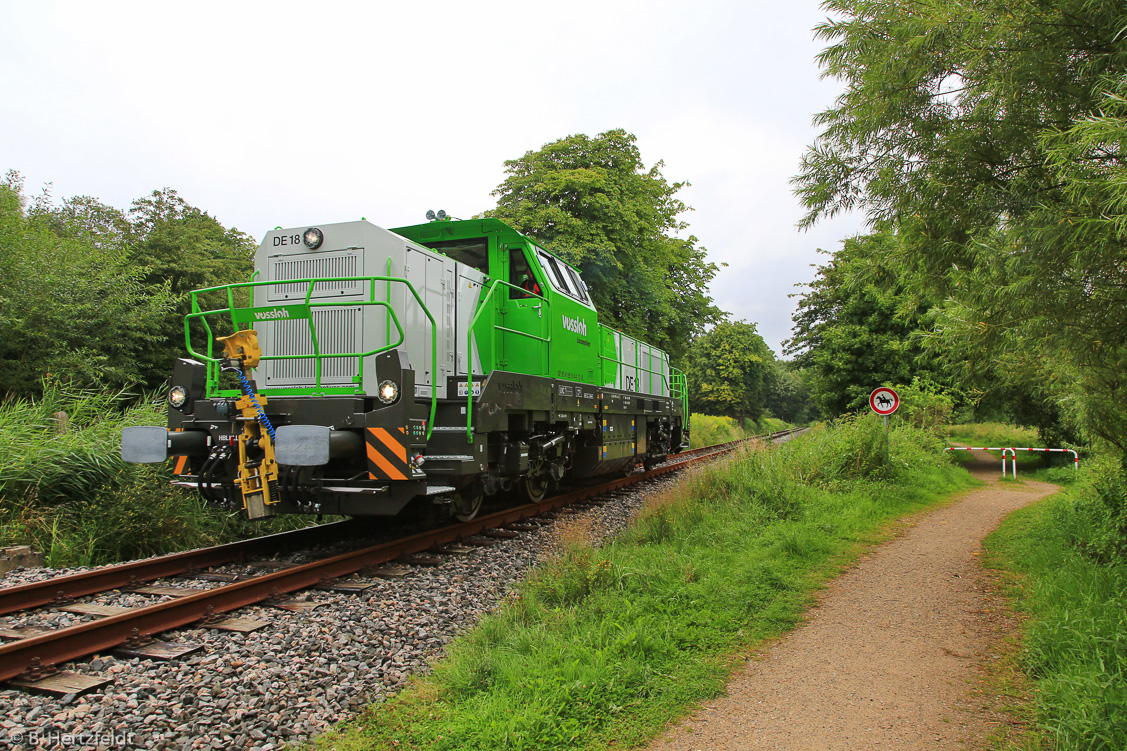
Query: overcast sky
275	113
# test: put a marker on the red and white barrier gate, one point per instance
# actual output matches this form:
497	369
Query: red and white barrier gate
1013	454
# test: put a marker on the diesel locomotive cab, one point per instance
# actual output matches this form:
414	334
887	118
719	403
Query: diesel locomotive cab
365	369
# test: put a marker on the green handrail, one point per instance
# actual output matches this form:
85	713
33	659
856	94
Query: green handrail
389	298
483	306
669	386
305	312
679	389
666	381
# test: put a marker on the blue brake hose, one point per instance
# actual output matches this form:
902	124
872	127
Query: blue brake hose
262	418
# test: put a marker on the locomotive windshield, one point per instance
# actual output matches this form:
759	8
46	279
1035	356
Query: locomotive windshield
564	278
579	284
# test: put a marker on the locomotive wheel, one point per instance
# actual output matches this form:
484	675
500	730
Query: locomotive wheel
534	488
468	502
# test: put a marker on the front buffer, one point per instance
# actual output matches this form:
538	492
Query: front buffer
352	455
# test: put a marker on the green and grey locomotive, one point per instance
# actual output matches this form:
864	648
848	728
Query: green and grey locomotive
367	369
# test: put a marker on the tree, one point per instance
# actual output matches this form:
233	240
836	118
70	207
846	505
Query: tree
856	328
85	218
989	135
96	297
72	305
789	396
177	244
945	107
593	202
731	371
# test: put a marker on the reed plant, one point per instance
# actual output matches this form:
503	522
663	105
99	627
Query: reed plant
65	491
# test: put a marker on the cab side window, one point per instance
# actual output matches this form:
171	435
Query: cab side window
521	277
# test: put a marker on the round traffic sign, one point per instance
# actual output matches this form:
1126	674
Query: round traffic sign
884	401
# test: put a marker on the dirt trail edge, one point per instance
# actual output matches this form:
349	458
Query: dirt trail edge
886	658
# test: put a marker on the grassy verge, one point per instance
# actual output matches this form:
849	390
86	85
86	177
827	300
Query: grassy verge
603	647
1066	559
68	494
709	431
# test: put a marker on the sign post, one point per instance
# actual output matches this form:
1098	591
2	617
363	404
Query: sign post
884	401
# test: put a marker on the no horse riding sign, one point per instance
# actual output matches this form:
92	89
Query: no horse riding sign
884	401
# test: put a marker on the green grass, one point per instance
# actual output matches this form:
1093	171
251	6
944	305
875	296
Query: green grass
1068	559
604	646
769	425
709	431
1065	474
69	495
992	434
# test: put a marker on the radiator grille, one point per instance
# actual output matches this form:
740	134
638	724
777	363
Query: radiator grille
338	330
312	267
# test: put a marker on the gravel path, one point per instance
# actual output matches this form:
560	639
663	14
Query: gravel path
886	658
291	680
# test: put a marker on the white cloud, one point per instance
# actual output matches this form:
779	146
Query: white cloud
282	113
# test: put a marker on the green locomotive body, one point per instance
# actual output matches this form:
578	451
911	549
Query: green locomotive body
437	363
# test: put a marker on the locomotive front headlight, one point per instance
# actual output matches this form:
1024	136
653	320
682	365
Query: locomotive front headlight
178	396
313	238
388	392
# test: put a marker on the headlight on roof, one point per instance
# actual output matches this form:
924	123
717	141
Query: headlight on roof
313	238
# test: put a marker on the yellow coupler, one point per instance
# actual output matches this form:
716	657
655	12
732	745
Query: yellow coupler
258	477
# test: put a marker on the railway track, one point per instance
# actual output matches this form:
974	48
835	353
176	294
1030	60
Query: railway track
30	660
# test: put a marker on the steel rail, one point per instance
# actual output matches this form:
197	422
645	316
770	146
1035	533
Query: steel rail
36	594
48	650
63	588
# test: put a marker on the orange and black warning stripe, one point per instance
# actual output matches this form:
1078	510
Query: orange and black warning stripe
181	466
387	454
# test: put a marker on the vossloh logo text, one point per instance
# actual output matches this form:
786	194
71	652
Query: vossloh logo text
575	325
271	315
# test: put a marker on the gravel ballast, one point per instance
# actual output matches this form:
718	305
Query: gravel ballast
291	680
